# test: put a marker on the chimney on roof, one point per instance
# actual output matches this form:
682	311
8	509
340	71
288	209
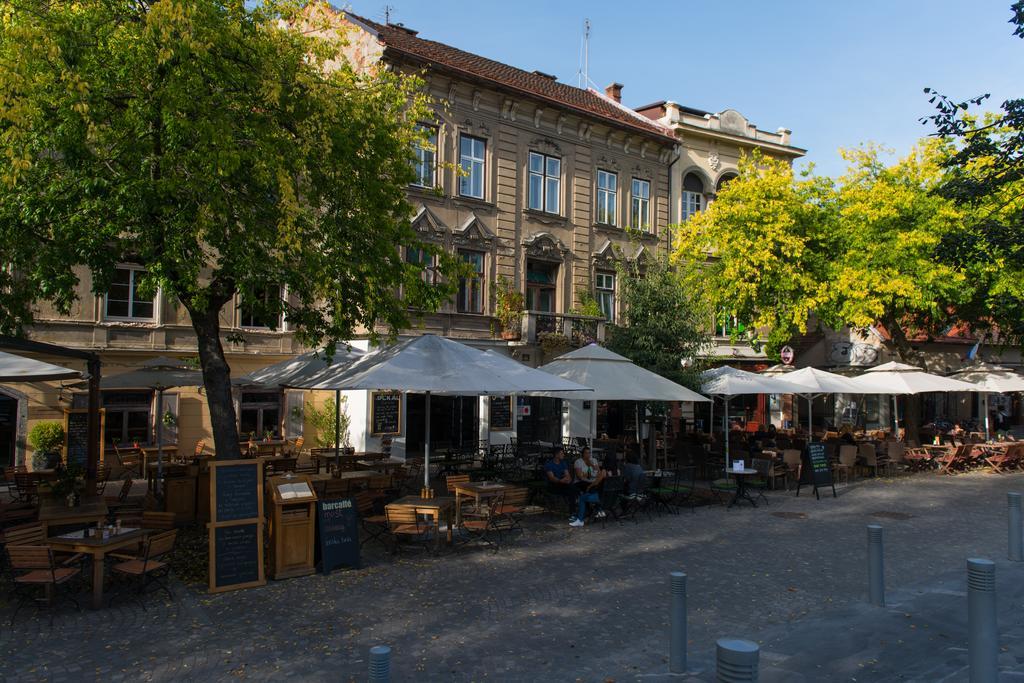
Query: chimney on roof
540	73
614	91
402	27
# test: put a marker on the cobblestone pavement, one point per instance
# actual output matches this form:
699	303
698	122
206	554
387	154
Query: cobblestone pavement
590	604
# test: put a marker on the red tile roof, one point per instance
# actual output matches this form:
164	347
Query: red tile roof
404	42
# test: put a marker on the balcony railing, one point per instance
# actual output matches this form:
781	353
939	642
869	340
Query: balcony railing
580	330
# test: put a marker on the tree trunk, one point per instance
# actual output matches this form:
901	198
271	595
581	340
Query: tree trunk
217	381
912	403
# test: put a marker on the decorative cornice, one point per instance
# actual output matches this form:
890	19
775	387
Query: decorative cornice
546	246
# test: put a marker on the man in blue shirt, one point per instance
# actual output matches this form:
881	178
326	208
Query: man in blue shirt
559	476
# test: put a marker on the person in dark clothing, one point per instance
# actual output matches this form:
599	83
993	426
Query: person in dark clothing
558	473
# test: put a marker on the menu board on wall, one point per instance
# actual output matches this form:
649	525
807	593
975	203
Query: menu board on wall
501	414
76	436
386	412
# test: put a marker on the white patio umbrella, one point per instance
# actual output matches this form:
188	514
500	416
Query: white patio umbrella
734	382
900	379
993	379
15	368
306	367
434	365
158	374
820	382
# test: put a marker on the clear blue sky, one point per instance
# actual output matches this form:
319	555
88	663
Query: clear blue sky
836	72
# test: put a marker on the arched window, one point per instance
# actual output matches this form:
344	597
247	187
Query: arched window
723	180
693	195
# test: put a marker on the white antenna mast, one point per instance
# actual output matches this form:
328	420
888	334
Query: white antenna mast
583	72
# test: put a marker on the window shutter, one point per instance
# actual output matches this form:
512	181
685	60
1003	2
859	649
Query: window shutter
295	417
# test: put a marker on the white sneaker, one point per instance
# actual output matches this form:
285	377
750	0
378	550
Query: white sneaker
576	523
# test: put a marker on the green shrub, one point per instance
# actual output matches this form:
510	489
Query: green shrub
46	439
322	420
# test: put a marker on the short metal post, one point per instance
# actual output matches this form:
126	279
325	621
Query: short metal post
1015	552
982	638
736	660
380	664
876	568
677	639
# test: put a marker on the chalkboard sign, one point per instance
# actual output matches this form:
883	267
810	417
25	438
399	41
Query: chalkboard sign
386	412
501	413
815	469
237	494
338	533
238	550
236	525
76	436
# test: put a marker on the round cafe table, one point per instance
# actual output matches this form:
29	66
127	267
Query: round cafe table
741	486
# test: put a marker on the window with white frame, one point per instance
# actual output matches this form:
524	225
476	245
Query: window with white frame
418	256
265	313
604	284
472	154
607	197
471	287
123	299
425	156
545	182
640	214
693	195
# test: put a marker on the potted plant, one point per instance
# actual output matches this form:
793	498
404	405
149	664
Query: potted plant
46	439
68	485
509	304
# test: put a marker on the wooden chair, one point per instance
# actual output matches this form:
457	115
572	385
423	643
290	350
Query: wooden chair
305	465
33	533
869	454
407	524
102	477
513	504
371	521
200	448
847	461
35	566
8	480
296	447
119	504
488	524
149	571
27	486
128	461
792	460
959	460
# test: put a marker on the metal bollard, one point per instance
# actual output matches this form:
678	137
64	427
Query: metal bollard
380	664
736	660
876	568
1015	552
982	638
677	639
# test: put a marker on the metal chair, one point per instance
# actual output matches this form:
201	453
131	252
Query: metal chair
36	567
148	572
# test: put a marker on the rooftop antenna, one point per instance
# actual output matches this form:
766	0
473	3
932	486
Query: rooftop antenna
387	13
583	74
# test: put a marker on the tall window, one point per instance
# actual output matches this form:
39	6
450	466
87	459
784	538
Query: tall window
471	287
541	277
258	315
471	159
640	214
260	414
693	195
607	197
420	257
123	298
726	324
605	286
425	156
127	416
545	182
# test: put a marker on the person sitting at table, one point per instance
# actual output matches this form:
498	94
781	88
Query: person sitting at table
610	464
632	472
559	478
589	476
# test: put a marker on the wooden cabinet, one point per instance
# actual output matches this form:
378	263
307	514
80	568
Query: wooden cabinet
291	508
180	497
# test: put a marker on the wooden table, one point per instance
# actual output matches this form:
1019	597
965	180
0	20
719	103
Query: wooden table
320	479
477	490
439	508
81	542
55	512
386	465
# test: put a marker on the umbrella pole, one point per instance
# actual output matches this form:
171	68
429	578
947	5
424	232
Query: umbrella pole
426	446
987	435
159	436
810	420
725	428
337	429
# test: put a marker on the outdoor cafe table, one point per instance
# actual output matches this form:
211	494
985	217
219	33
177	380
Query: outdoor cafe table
84	542
477	490
741	486
386	465
439	508
55	512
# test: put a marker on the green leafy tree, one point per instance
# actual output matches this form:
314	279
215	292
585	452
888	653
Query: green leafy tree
225	152
662	323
